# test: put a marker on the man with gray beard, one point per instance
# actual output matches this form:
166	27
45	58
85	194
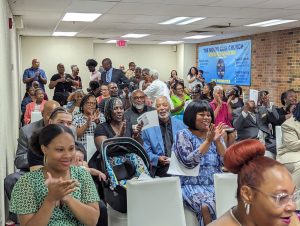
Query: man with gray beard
138	107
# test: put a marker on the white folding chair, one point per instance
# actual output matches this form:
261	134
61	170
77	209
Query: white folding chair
36	116
190	217
155	202
116	218
90	147
225	192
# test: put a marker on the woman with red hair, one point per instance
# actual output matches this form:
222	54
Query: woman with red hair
266	193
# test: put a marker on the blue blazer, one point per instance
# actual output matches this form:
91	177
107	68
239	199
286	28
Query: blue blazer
153	141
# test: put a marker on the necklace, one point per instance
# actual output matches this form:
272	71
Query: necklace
234	218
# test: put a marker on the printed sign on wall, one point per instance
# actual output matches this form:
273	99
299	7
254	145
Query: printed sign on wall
228	63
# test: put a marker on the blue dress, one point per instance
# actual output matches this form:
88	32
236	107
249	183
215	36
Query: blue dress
199	190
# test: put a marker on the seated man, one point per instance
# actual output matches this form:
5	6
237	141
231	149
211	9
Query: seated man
138	107
158	140
253	123
21	160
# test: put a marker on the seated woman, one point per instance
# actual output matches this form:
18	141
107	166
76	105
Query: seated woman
200	144
74	101
104	94
179	98
207	92
223	114
288	152
38	105
115	125
28	98
87	120
58	193
266	194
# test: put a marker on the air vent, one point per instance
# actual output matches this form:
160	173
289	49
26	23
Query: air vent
195	31
219	26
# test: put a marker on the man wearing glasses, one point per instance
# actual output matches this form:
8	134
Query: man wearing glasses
138	106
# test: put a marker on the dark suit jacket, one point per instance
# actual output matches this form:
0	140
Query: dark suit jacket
247	128
21	160
117	77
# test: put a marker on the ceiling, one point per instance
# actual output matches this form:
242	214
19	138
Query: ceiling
120	17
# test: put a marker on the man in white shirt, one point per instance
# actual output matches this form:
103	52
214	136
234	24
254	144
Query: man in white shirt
96	75
157	88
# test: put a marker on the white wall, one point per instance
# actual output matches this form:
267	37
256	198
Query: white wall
159	57
9	104
186	58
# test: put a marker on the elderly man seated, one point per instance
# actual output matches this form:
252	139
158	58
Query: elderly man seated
158	140
254	123
138	107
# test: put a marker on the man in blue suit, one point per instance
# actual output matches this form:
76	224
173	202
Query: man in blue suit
158	140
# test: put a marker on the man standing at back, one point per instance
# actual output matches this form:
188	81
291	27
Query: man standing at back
111	74
35	74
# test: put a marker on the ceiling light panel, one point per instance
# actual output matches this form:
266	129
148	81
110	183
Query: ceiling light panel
171	42
135	35
174	20
199	36
68	34
83	17
192	20
269	23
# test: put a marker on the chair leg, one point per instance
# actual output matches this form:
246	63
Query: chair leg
206	215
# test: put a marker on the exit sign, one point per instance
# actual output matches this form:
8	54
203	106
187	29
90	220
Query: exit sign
121	43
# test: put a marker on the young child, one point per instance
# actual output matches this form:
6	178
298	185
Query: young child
79	160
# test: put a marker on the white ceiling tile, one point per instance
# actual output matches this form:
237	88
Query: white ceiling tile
277	4
39	5
90	6
71	26
236	3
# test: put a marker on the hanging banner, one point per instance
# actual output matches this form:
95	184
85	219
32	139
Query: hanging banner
228	63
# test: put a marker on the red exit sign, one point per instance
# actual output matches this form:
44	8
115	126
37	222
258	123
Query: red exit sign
121	43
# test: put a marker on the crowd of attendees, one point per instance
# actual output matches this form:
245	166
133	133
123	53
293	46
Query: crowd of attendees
200	121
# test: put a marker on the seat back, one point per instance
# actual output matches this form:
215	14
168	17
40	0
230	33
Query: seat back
36	116
225	192
278	133
155	202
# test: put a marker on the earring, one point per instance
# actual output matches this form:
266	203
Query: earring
247	208
45	159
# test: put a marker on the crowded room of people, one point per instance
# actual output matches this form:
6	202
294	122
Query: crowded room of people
150	113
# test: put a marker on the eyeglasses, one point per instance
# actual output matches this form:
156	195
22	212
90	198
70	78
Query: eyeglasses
139	97
283	198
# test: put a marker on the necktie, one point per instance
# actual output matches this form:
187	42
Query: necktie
168	143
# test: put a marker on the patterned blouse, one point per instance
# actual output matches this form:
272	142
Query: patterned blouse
79	120
30	191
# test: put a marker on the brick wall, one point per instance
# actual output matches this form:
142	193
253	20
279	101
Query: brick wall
275	61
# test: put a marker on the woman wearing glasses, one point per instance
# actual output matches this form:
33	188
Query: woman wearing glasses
87	121
266	193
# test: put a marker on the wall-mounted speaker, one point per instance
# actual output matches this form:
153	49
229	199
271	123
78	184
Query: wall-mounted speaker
18	21
174	48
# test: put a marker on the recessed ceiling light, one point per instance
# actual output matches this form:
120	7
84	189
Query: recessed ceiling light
171	42
135	35
59	33
174	20
269	23
199	36
112	41
192	20
83	17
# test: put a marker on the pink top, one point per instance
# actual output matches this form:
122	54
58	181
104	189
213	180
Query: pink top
223	115
30	108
